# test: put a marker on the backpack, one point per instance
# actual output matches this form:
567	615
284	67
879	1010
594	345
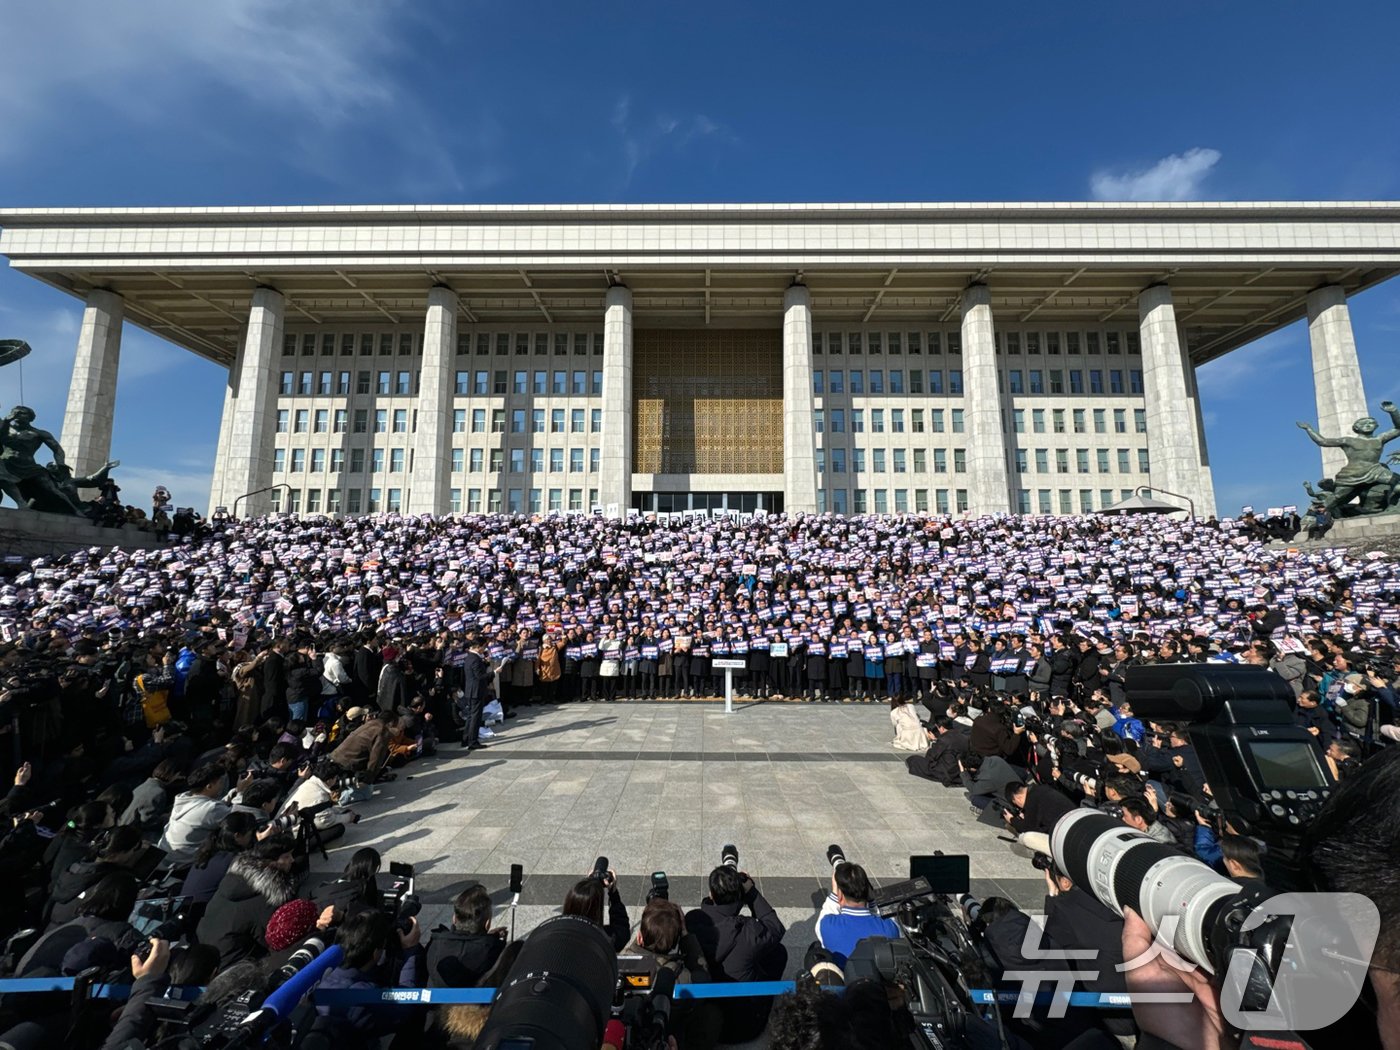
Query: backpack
154	692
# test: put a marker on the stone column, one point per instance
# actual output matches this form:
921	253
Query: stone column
92	394
988	484
251	430
799	438
221	450
1341	398
1173	448
432	441
615	456
1205	507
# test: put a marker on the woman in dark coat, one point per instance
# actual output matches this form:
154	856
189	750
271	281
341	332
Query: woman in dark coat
215	855
816	669
258	882
103	913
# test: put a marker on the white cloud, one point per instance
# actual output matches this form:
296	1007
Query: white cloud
1174	178
307	68
643	137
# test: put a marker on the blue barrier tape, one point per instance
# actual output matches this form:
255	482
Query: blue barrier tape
478	996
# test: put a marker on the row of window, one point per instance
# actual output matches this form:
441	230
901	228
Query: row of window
561	344
1103	460
400	421
898	461
1009	342
1079	420
388	344
1012	381
879	501
400	460
375	500
1045	505
405	383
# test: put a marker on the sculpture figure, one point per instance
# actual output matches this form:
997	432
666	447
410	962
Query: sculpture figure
23	479
1364	478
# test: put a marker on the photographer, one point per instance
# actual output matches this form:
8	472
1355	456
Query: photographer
948	744
1034	810
258	882
377	955
739	947
586	899
1139	815
846	916
995	733
661	932
458	956
986	778
198	811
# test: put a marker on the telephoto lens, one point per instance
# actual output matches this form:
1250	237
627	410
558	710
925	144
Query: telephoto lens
600	870
559	993
1124	868
835	855
729	856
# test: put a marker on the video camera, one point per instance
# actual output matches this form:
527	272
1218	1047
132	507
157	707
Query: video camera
931	963
1264	771
398	898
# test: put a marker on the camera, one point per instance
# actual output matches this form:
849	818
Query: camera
660	887
1262	768
399	898
729	856
835	855
600	870
1042	862
1308	957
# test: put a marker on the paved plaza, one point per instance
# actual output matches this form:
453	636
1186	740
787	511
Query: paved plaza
663	786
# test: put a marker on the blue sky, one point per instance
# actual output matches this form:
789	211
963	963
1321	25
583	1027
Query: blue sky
268	102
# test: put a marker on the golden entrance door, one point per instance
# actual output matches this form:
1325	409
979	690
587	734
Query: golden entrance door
707	402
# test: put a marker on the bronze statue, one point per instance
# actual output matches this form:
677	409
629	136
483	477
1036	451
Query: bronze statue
1374	486
33	485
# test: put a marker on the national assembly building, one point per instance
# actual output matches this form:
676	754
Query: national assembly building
844	358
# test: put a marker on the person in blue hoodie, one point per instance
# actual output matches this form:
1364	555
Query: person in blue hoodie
847	918
1126	726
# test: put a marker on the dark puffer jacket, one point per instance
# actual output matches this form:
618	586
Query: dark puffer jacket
236	920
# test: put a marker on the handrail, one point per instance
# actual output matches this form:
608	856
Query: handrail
279	485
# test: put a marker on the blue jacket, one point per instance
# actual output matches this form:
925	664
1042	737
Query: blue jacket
1207	848
1129	727
841	929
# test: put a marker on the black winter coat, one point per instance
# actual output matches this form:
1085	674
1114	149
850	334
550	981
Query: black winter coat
460	960
1044	806
733	942
236	920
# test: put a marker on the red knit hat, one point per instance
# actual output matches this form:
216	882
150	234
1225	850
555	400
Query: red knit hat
291	923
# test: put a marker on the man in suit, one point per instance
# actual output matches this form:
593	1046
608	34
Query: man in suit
476	676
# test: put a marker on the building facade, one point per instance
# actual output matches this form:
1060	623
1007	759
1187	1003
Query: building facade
1022	358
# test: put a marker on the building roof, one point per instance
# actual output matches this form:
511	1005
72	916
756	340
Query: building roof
1238	269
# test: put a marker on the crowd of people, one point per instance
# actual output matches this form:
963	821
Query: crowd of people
189	724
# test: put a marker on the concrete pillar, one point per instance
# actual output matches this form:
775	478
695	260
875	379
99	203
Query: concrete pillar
251	429
615	455
988	484
432	441
1173	448
1341	398
221	450
92	394
1206	507
799	438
